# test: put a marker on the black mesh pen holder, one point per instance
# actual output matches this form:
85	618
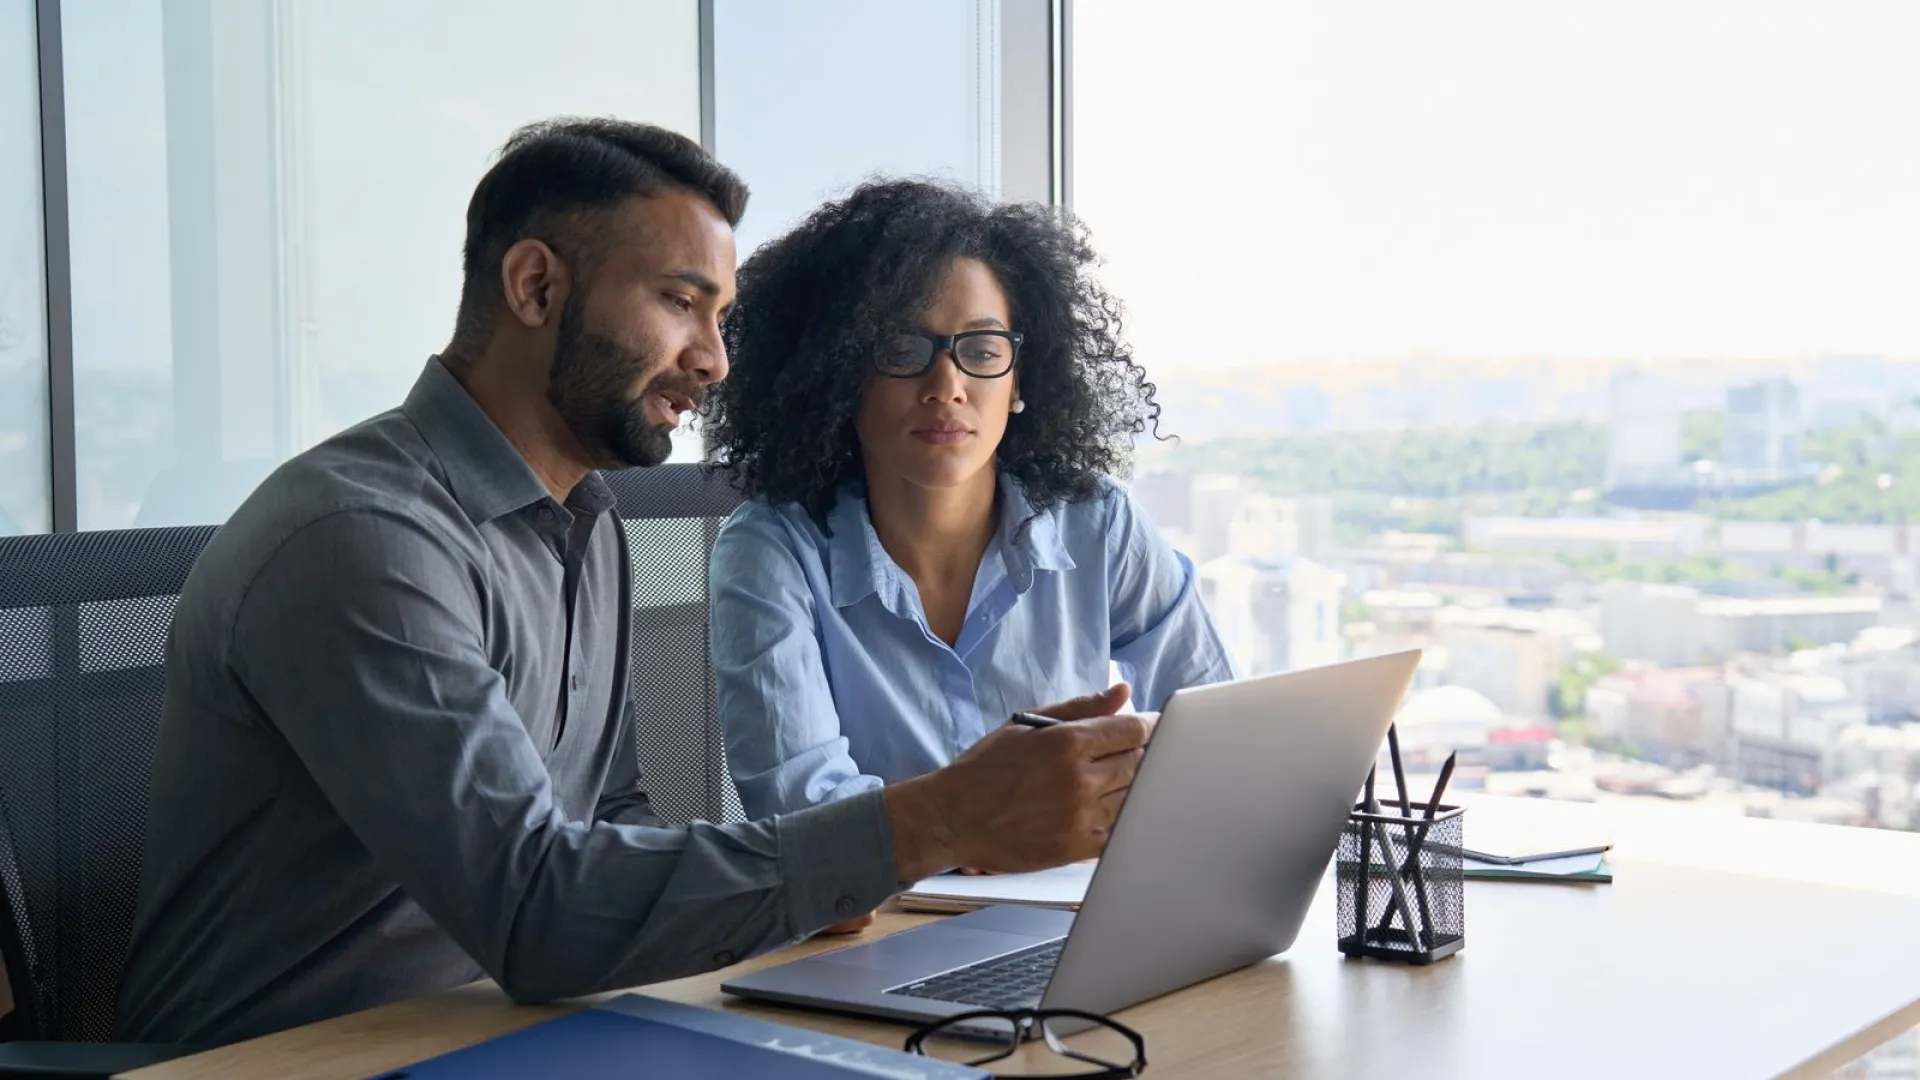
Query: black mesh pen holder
1400	885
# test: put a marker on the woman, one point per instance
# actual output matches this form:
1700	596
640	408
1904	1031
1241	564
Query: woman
927	395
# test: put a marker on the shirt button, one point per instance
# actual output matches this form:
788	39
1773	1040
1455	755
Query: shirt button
545	514
845	907
723	958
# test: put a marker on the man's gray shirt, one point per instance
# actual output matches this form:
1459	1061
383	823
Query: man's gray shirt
386	767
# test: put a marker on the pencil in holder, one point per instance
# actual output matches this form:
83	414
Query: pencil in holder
1401	886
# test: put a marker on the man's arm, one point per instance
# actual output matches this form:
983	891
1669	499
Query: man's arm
361	640
623	799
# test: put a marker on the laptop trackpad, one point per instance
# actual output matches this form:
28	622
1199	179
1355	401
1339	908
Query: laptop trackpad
925	951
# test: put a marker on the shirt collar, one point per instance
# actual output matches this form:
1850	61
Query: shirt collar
854	555
1030	537
861	567
592	495
488	476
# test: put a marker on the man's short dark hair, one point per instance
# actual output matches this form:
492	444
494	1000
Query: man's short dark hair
553	173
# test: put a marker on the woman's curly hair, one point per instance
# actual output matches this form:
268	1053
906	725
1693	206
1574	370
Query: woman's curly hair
815	305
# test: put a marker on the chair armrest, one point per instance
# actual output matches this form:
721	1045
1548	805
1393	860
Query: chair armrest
76	1060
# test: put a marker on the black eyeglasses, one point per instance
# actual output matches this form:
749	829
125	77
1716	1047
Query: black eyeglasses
1008	1028
983	354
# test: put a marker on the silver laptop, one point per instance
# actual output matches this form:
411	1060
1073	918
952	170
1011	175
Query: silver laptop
1212	864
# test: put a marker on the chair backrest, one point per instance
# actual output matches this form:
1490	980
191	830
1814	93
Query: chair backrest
671	514
84	620
83	628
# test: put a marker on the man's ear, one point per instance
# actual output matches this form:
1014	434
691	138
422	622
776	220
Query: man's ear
535	282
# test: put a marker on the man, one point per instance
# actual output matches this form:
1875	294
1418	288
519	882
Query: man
395	755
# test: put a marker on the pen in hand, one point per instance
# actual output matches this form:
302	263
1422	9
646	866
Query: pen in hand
1033	720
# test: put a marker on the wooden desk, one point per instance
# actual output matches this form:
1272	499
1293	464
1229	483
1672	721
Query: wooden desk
1670	971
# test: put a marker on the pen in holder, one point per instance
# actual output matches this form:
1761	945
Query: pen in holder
1400	885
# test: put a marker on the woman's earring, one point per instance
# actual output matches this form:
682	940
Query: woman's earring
1018	407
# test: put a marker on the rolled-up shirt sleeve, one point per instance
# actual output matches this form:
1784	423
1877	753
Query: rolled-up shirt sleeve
1163	639
362	639
784	743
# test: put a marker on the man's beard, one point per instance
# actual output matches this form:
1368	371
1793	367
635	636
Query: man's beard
591	378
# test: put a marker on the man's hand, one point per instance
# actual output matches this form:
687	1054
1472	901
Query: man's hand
850	926
1104	703
1022	798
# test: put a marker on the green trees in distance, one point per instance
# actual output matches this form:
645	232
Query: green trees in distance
1424	479
1436	463
1570	695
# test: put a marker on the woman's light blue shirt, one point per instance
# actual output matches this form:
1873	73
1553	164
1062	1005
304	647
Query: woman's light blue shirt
830	682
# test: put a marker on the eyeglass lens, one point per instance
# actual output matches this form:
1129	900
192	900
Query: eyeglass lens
1103	1050
983	355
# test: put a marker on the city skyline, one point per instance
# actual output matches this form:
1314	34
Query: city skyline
1283	400
1708	592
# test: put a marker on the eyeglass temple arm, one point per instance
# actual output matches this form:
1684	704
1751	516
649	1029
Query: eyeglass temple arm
1058	1046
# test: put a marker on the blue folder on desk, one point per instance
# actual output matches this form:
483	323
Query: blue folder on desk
635	1036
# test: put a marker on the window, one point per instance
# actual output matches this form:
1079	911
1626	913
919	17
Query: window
266	196
268	203
25	477
1575	345
802	130
810	99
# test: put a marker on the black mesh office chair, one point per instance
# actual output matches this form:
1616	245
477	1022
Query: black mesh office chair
83	628
83	625
672	514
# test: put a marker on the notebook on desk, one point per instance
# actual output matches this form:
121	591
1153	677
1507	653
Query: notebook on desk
1063	888
1511	836
632	1036
1588	869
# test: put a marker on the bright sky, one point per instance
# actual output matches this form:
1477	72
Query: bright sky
1274	181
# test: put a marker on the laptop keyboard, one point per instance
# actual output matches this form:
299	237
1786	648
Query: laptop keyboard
1013	981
